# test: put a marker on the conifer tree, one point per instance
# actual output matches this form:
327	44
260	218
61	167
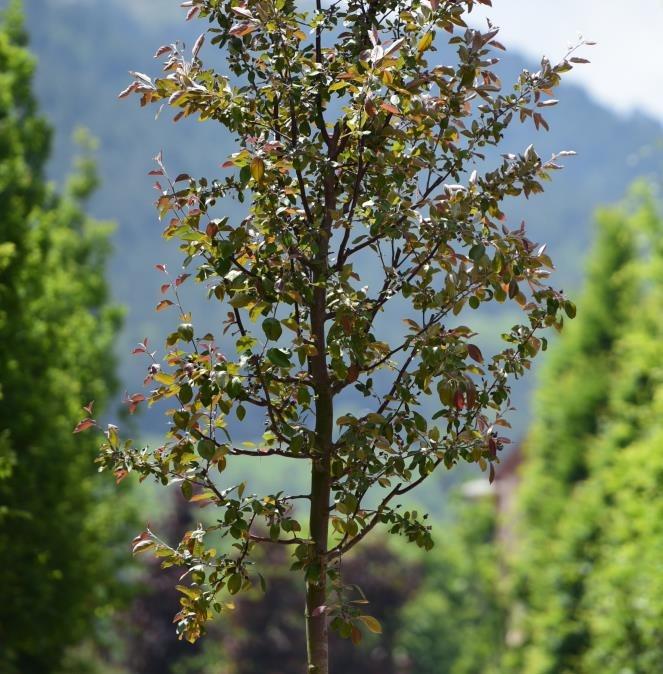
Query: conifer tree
595	399
56	331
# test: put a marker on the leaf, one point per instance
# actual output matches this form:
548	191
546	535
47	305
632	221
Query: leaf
84	425
164	304
242	29
394	46
425	42
243	11
257	169
475	353
338	85
198	45
164	49
279	357
125	92
390	108
206	448
477	252
142	546
272	328
355	635
370	108
372	624
234	583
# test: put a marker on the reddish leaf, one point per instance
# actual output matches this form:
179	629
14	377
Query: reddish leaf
161	267
164	304
241	29
353	373
370	108
459	400
164	49
84	425
120	474
390	108
475	353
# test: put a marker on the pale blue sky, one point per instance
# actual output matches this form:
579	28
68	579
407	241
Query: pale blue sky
627	64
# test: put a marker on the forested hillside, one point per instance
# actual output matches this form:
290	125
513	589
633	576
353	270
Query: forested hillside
85	50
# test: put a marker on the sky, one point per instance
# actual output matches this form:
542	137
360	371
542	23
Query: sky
626	71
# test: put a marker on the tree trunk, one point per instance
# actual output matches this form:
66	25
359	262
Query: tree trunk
317	639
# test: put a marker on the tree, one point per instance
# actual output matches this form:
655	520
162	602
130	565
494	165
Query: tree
352	150
56	330
584	477
456	622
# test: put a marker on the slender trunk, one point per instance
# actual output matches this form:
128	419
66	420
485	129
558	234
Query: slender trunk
317	639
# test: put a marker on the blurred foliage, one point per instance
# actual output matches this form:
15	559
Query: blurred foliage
56	330
456	622
590	559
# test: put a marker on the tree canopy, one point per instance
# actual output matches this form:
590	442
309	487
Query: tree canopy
373	229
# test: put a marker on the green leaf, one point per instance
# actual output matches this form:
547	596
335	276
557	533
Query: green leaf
477	252
234	583
206	448
272	328
279	357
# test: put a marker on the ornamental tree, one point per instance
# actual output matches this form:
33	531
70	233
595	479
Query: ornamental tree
373	229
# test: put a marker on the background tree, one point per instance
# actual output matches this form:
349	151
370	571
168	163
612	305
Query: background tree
456	622
56	330
353	148
587	499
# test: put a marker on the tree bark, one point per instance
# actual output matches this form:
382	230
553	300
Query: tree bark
317	638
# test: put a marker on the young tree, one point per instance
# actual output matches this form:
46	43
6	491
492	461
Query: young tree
363	163
56	332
